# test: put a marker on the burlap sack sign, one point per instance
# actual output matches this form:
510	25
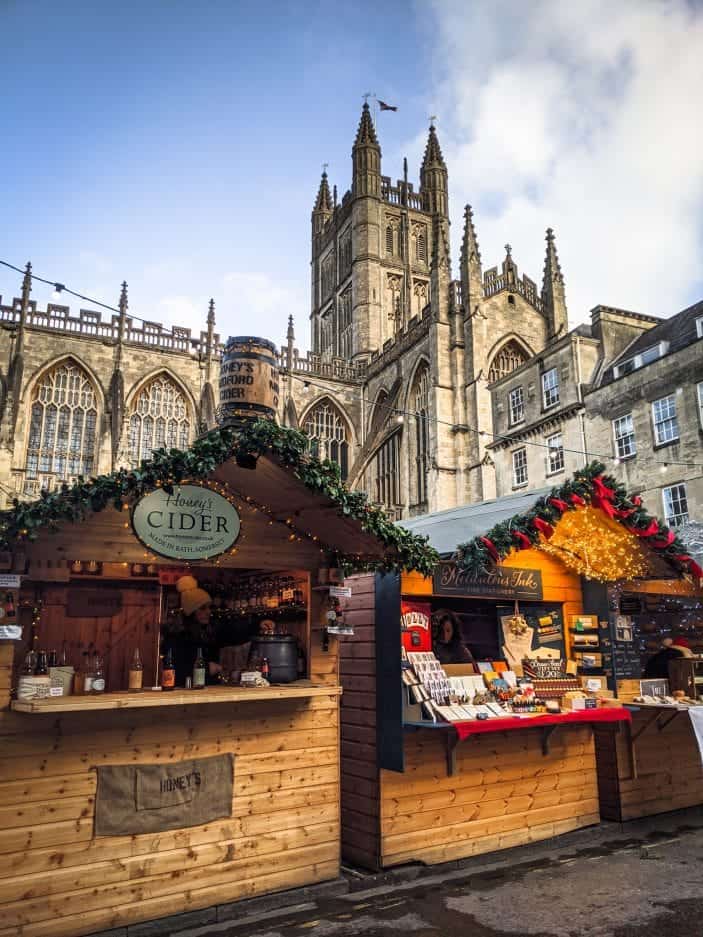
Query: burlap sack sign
152	798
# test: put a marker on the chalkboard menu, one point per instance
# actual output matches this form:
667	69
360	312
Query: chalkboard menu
626	638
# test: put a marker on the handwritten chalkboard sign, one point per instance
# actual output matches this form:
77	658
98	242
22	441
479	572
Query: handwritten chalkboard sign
627	661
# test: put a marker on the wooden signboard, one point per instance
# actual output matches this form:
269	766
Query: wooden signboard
93	603
503	582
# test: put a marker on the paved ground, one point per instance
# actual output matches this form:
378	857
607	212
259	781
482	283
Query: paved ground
641	880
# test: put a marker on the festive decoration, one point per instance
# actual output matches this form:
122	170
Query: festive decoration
72	503
588	487
596	547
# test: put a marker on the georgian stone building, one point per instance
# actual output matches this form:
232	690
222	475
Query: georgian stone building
80	395
645	406
397	385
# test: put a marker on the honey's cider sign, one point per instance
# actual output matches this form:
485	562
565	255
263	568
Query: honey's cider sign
190	523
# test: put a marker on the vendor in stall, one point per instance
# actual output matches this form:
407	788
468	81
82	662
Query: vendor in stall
449	643
658	665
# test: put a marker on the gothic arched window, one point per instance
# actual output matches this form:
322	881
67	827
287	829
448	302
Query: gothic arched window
510	357
63	423
385	475
420	402
327	430
159	419
389	239
421	248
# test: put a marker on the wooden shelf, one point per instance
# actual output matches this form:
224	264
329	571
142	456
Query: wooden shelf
301	689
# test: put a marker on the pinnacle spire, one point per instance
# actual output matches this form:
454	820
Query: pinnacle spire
366	134
433	151
323	202
290	334
469	242
553	293
211	312
123	303
470	266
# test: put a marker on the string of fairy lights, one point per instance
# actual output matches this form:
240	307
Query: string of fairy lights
399	413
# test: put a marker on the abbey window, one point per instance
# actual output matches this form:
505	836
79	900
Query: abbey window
510	357
159	419
327	430
420	401
63	426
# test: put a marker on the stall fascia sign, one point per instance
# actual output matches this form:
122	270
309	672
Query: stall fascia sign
503	582
191	523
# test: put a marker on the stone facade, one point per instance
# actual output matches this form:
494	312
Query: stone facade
650	415
82	395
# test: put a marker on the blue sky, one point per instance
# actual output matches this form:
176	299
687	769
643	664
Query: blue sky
178	145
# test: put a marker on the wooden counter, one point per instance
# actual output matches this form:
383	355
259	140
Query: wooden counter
651	767
505	792
301	689
58	879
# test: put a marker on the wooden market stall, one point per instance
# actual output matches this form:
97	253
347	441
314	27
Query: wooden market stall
65	868
418	790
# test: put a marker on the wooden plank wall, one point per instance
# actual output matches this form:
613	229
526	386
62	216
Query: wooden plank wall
669	773
360	787
58	880
505	793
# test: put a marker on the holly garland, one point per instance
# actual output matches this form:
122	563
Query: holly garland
72	503
589	486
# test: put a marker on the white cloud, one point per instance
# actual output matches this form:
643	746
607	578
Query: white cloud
584	117
246	303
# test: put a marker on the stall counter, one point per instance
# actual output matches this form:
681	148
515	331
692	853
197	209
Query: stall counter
651	766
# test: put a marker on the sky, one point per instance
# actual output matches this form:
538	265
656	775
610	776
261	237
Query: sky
179	145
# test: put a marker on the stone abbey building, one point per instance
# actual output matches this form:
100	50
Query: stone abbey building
429	391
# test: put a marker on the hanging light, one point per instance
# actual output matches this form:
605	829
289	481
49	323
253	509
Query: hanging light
58	287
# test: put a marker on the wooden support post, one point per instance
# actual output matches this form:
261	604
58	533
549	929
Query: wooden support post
451	740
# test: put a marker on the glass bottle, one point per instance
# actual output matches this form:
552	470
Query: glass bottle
9	608
98	668
34	650
53	659
274	593
42	666
265	669
253	596
28	665
168	671
199	670
88	673
79	675
136	672
63	660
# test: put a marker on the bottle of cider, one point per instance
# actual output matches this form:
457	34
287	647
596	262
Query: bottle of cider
168	672
136	672
199	670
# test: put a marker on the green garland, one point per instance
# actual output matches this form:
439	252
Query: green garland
166	468
479	555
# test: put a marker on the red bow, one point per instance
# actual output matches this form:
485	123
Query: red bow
637	501
490	546
558	503
693	568
622	513
665	542
543	527
523	540
649	531
577	500
602	490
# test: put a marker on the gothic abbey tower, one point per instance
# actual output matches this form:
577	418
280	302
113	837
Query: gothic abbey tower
396	387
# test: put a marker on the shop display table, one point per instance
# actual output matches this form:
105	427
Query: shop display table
547	723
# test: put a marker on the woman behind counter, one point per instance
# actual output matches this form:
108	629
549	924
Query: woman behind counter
449	645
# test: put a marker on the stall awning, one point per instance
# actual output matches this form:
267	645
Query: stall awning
283	492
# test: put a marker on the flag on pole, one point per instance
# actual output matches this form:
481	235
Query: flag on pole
386	107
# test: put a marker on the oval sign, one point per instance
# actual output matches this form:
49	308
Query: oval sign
193	523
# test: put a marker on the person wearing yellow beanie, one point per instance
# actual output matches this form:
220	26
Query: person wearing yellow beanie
196	630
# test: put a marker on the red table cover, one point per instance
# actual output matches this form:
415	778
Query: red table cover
509	723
